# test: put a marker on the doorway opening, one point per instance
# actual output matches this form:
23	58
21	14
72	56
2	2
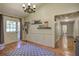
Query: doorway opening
66	30
65	36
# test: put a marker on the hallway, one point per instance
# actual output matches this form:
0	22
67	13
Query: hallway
66	43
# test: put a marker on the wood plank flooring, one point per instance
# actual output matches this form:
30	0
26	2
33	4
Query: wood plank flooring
66	44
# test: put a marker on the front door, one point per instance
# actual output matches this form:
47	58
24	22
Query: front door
12	30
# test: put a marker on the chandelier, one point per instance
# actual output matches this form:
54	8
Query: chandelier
29	8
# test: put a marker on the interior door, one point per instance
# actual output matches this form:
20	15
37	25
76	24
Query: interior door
12	30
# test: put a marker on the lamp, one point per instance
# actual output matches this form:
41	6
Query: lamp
29	8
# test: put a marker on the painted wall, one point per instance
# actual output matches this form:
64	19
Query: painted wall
76	27
24	35
47	12
70	29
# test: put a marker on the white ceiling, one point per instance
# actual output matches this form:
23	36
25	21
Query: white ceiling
14	9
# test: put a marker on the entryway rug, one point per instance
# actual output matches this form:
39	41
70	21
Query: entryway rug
30	50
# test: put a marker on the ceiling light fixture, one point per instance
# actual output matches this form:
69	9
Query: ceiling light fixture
29	8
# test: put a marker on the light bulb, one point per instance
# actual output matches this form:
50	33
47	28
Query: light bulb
23	5
34	6
29	4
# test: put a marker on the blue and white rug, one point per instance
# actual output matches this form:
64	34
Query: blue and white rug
30	50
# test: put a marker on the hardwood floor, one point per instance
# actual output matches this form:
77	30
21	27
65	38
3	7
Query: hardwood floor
8	48
66	44
12	46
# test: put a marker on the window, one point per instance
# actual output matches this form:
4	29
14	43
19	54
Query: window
10	26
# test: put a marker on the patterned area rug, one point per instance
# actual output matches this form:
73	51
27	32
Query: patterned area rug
30	50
